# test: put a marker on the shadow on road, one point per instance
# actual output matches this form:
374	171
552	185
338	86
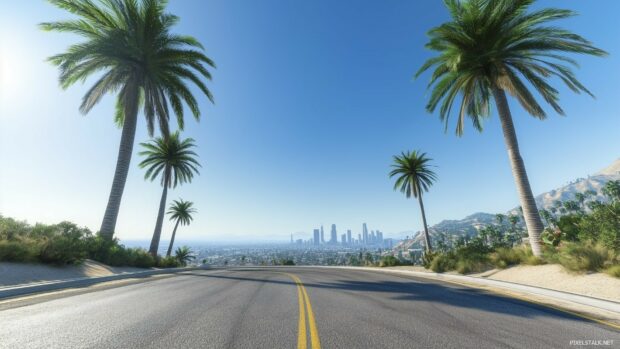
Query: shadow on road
416	290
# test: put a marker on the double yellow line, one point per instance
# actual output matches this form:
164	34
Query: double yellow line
305	306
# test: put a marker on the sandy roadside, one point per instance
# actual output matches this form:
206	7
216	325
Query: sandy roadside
23	273
551	276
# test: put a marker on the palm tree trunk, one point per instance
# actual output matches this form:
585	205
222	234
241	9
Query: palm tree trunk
174	233
160	215
427	238
530	212
122	163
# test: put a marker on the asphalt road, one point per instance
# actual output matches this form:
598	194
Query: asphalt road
260	308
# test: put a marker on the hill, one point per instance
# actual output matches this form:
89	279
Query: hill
469	225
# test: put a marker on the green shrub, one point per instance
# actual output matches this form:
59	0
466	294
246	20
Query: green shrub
443	262
614	270
19	250
585	257
168	262
389	261
505	257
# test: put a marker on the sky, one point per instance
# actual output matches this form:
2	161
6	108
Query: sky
313	99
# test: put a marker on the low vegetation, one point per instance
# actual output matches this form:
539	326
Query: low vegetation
66	243
583	235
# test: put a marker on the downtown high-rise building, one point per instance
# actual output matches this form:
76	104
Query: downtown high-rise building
334	238
322	235
343	239
349	240
359	238
364	234
317	238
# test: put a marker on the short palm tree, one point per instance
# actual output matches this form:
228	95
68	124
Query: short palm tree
489	48
413	177
129	48
184	255
175	161
180	212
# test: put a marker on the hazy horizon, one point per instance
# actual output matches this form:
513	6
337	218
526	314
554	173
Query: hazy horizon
312	101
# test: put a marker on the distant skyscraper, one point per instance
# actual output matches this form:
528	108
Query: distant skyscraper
334	239
349	237
365	233
379	237
322	235
372	237
343	239
316	237
359	238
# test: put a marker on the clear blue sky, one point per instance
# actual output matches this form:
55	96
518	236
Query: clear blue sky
313	99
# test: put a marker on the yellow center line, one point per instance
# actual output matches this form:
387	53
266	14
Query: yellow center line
304	303
301	337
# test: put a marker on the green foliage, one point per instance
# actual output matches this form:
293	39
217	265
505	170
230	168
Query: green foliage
184	255
171	157
389	261
614	271
129	47
505	257
586	257
168	262
66	243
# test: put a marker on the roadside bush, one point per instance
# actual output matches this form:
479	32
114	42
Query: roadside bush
614	271
505	257
585	257
443	262
389	261
168	262
19	250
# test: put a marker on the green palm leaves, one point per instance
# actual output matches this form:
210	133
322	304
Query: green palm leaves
413	173
129	43
175	161
413	177
181	211
497	43
172	157
129	47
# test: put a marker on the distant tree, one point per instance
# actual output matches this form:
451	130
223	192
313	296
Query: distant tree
413	177
129	48
184	255
181	213
486	50
500	218
175	160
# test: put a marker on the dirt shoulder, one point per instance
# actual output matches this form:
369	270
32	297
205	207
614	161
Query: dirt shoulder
24	273
551	276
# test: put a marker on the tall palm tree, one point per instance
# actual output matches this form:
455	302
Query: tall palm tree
175	160
180	212
129	47
486	50
414	177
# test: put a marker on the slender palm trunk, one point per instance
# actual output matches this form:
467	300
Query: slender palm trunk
174	233
530	212
427	238
160	215
122	163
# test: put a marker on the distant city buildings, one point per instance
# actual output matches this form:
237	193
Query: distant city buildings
364	239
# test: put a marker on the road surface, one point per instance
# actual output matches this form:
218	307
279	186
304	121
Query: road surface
291	307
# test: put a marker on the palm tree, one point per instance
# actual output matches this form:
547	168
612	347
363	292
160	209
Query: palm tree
174	159
486	50
414	176
184	255
129	47
180	212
